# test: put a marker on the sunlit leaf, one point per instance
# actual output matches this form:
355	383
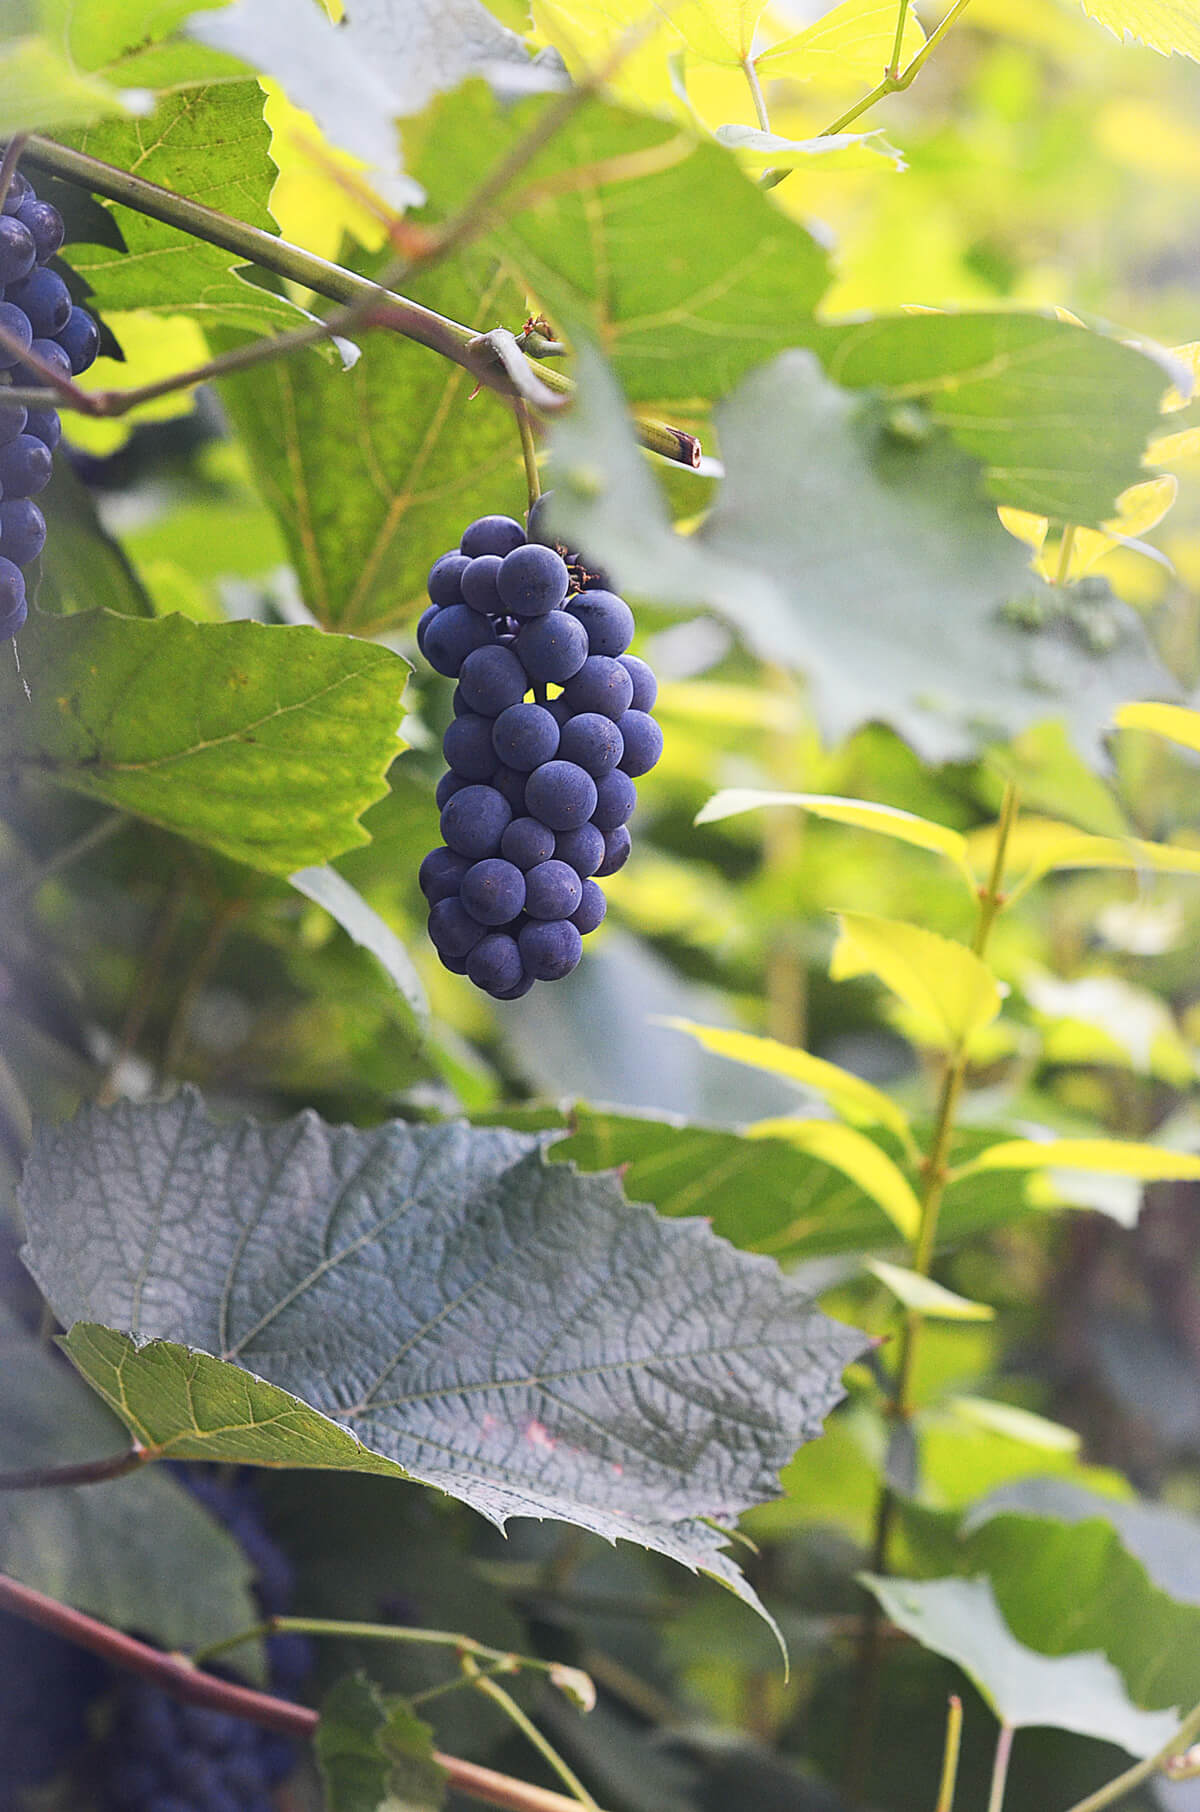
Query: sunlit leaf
850	45
858	1157
860	1102
1165	25
1139	509
834	151
327	888
1038	846
1015	1423
924	1295
40	89
959	1618
1117	1157
1175	722
944	983
888	820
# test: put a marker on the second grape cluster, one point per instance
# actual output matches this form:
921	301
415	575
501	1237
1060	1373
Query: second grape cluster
551	727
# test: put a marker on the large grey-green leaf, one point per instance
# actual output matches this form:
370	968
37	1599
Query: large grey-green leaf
137	1551
878	569
265	743
513	1333
959	1618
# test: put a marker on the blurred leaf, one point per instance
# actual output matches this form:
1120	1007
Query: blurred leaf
138	1551
1102	1019
374	1277
1139	509
1039	846
835	150
330	890
612	228
959	1618
928	566
860	1158
859	1101
264	743
82	567
1116	1157
944	983
1172	721
1165	25
849	45
41	90
374	1753
1015	1423
925	1296
888	820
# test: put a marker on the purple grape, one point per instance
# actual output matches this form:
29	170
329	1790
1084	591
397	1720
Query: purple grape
532	580
522	988
25	467
15	323
493	535
616	797
467	746
582	849
552	891
492	679
594	741
552	647
80	340
524	737
45	298
561	794
511	785
495	963
526	842
645	686
617	845
478	585
474	821
445	575
18	252
452	635
550	949
14	420
441	873
449	784
45	424
22	531
452	930
423	621
591	909
602	684
643	743
607	619
20	189
13	605
44	222
536	529
52	355
493	891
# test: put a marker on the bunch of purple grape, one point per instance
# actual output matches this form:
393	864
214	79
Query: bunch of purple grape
551	727
38	316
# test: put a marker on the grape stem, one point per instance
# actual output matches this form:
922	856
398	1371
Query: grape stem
9	162
364	303
528	451
179	1677
81	1472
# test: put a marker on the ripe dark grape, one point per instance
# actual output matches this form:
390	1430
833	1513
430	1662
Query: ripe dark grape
617	845
452	930
19	191
645	686
45	424
25	467
643	740
607	619
616	797
452	635
602	685
526	842
15	323
14	420
582	849
561	794
495	963
532	580
511	786
45	298
467	746
493	535
44	222
80	340
478	584
595	742
493	891
449	784
22	531
441	873
423	621
550	949
18	251
591	908
552	647
525	737
492	679
445	574
552	891
474	821
12	597
52	355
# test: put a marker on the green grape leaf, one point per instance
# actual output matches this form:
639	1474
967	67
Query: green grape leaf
210	144
431	1301
428	457
612	227
42	90
959	1618
374	1753
327	888
926	567
138	1551
1165	25
266	743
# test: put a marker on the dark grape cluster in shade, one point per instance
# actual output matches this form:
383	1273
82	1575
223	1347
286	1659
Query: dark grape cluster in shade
163	1756
39	316
551	727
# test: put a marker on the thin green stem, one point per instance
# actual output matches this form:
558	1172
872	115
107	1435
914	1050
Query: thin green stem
371	1632
1065	549
533	482
950	1754
460	1683
898	42
756	93
9	162
529	1730
896	83
1004	1743
1121	1784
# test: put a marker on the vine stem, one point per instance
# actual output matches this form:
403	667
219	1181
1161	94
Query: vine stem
533	481
1065	550
1004	1743
367	302
900	1407
9	162
81	1472
371	1632
898	41
184	1681
525	1724
756	93
895	80
950	1754
1159	1762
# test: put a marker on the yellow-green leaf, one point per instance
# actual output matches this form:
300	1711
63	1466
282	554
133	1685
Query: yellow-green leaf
926	1296
858	1101
1139	509
1175	722
850	46
888	820
833	151
1114	1157
944	983
1037	846
1018	1424
1165	25
855	1156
